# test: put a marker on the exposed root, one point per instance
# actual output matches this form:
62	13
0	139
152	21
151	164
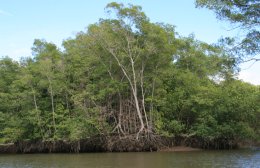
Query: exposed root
139	132
119	129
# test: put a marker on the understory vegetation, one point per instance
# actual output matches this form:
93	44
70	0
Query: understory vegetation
128	77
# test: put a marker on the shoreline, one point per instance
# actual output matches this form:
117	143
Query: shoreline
117	144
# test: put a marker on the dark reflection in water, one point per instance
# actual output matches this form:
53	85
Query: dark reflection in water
234	158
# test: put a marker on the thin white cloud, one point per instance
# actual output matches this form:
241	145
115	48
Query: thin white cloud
16	53
2	12
250	77
250	74
20	52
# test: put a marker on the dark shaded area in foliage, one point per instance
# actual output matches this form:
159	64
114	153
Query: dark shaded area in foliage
114	144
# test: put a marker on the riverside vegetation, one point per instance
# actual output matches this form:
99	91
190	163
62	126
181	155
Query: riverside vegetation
130	80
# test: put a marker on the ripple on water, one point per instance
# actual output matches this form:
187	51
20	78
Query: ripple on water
217	159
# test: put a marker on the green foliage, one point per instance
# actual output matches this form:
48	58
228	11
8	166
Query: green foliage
245	15
93	87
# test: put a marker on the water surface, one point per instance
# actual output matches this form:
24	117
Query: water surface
233	158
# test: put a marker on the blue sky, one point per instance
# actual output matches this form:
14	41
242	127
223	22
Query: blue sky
22	21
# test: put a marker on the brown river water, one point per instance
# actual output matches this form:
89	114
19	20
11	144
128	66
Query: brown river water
194	159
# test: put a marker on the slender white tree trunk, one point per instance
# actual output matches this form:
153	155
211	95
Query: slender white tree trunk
37	113
52	106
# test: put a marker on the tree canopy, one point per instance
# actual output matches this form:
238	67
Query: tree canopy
244	15
128	77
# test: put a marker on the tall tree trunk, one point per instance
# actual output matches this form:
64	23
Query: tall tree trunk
52	106
151	103
37	113
151	107
134	88
143	95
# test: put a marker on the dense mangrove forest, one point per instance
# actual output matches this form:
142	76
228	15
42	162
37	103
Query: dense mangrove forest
126	78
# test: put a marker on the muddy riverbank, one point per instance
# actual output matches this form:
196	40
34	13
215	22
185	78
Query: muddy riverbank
117	144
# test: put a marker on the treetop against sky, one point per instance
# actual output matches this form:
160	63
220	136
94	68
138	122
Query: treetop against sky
55	21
